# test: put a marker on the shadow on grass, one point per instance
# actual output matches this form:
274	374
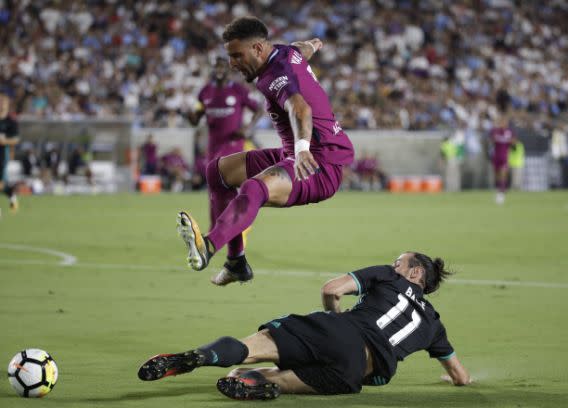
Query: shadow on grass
171	391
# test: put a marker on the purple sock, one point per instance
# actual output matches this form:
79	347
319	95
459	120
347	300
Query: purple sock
240	213
220	196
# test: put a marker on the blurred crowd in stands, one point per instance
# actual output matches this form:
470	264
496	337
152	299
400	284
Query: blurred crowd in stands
421	64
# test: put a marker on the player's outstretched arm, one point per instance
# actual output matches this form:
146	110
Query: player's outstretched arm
457	374
308	48
334	289
300	114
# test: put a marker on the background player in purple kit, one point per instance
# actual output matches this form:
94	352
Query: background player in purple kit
501	136
223	103
334	352
307	169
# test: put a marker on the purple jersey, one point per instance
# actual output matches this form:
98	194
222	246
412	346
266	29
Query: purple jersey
502	139
286	74
150	153
224	111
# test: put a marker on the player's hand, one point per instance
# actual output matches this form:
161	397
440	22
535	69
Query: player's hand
317	43
305	165
448	379
2	139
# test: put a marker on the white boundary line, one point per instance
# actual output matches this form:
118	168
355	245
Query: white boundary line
66	259
274	272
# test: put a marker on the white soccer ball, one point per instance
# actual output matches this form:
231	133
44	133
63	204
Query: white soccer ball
32	373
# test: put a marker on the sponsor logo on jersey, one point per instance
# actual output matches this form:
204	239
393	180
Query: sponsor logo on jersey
277	84
219	112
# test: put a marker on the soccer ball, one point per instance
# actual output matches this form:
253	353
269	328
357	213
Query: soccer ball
32	373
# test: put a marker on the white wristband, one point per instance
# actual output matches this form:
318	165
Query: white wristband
313	46
301	145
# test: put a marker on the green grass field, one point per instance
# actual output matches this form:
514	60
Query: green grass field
129	295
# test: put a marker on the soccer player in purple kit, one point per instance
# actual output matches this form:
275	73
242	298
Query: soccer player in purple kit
307	169
501	136
223	103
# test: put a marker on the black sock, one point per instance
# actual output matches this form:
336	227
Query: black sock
224	352
209	246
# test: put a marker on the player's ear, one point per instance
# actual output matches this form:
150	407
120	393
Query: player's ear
258	47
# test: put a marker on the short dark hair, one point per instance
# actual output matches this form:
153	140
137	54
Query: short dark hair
434	272
244	28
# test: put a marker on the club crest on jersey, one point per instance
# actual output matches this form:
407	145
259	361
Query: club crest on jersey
296	58
231	100
278	84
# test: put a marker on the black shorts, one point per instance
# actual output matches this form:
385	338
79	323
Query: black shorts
323	349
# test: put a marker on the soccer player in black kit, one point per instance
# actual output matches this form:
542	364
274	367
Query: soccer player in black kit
334	352
8	138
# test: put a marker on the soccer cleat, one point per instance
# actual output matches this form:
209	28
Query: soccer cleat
248	386
198	257
165	365
237	270
14	204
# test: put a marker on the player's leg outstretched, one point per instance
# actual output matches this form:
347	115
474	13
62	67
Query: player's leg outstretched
223	352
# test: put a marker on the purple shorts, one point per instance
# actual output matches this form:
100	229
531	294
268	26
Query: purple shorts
500	163
316	188
234	146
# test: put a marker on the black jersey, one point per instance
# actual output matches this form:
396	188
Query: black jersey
395	320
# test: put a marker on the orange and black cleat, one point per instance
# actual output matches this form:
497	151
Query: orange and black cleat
165	365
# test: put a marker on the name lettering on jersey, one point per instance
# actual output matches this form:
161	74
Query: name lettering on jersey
336	128
296	58
412	296
278	84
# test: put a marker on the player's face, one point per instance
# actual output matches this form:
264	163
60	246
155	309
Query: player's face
245	56
221	71
401	264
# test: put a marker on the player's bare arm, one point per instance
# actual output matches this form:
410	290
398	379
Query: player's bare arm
457	374
334	289
247	130
308	48
300	115
8	141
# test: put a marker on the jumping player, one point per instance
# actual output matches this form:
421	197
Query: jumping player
307	169
8	138
333	352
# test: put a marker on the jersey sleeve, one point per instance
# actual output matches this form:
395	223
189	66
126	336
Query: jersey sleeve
283	85
367	277
440	347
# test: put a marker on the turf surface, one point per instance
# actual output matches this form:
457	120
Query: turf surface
129	295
